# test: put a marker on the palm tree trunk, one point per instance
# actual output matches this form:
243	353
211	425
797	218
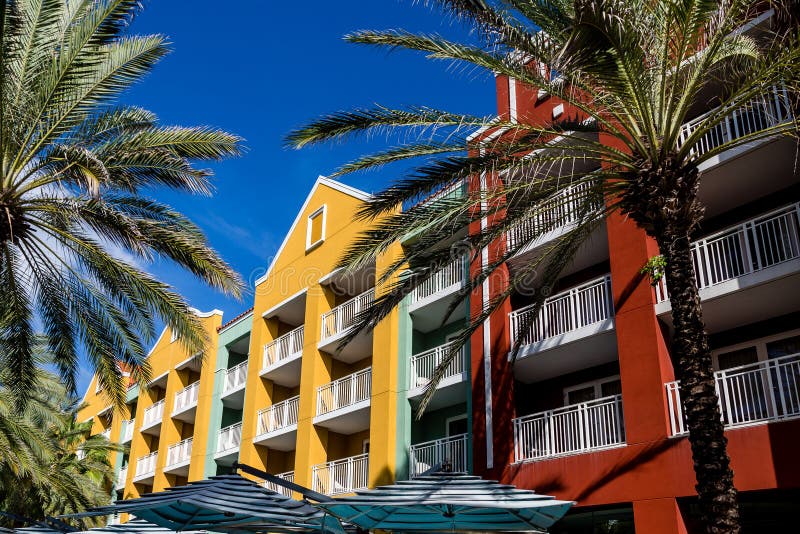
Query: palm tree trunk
692	355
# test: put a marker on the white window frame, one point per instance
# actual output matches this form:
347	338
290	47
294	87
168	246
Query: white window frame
597	384
323	212
759	343
365	446
449	420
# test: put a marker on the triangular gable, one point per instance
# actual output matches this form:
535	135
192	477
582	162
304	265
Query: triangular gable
321	180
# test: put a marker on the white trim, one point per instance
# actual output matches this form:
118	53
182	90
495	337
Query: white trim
157	378
759	343
325	280
237	321
333	184
449	420
206	314
558	111
282	303
185	363
321	212
597	384
512	99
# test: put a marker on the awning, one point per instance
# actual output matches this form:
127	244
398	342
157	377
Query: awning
229	503
451	502
134	526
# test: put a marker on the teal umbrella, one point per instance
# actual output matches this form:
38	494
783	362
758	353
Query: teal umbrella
229	503
448	502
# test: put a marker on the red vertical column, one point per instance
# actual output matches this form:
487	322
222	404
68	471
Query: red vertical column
644	360
658	516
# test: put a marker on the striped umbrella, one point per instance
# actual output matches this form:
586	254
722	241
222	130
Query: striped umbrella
229	503
450	502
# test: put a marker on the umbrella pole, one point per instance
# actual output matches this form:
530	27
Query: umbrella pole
302	490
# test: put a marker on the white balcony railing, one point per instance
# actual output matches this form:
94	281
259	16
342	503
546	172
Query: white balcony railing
122	477
146	466
127	430
344	392
279	415
229	438
450	275
577	428
287	476
284	347
425	363
342	317
452	450
743	249
186	398
153	414
341	476
235	377
179	453
750	394
566	311
765	111
564	208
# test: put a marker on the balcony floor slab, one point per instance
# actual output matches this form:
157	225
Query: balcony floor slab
451	391
282	439
346	420
285	372
358	349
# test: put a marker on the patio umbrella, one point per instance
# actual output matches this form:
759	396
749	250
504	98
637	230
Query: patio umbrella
452	502
134	526
229	503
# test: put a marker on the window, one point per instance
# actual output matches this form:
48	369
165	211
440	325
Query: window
456	425
315	229
365	446
589	391
757	350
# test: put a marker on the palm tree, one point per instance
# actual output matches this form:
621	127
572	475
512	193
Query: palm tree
49	465
76	172
635	71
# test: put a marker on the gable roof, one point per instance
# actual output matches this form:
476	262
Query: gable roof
321	180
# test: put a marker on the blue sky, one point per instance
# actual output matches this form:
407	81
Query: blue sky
259	68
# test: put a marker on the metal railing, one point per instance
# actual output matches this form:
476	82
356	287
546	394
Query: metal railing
450	275
153	414
179	453
765	111
345	391
582	427
278	416
186	398
564	208
755	393
288	476
229	438
425	363
146	466
127	430
566	311
122	477
746	248
235	377
287	345
452	449
342	317
341	476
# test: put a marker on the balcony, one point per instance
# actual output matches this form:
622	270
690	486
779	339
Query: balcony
339	321
185	404
153	414
429	300
234	384
122	478
344	404
452	450
563	322
228	441
452	388
106	434
127	430
745	271
282	358
288	476
145	468
341	476
573	429
179	456
752	394
277	425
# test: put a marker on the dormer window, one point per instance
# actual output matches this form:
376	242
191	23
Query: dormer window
315	228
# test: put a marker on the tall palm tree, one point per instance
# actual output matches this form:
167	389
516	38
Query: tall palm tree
76	175
635	71
49	465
